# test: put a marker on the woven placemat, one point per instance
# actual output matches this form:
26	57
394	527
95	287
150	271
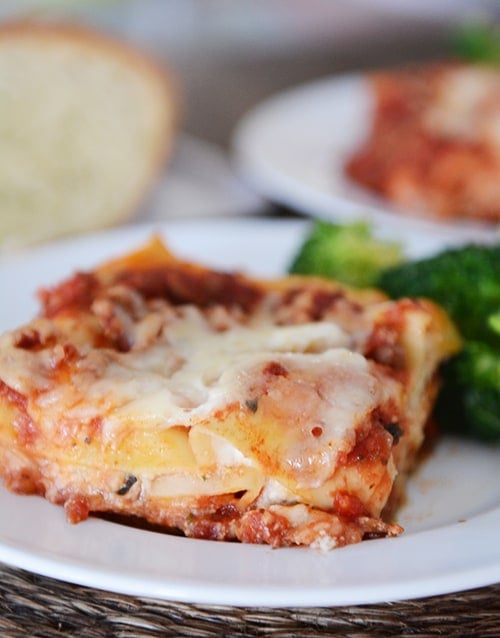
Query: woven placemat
38	607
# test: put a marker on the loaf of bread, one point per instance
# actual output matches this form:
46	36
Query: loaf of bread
86	125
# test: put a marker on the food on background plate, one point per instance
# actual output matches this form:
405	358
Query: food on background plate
283	412
87	124
464	280
434	144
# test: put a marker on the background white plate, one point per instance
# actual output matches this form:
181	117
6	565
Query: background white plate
292	149
452	516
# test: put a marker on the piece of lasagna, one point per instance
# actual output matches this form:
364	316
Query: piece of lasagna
286	412
434	144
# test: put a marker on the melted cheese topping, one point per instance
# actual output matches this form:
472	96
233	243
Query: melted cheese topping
227	386
466	105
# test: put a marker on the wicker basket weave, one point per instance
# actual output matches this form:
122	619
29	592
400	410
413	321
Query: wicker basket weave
33	606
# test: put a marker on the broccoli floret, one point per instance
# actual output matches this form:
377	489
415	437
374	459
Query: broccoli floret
347	253
494	321
478	42
465	281
469	401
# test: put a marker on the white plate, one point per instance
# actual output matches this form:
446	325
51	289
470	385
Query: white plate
292	149
452	516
